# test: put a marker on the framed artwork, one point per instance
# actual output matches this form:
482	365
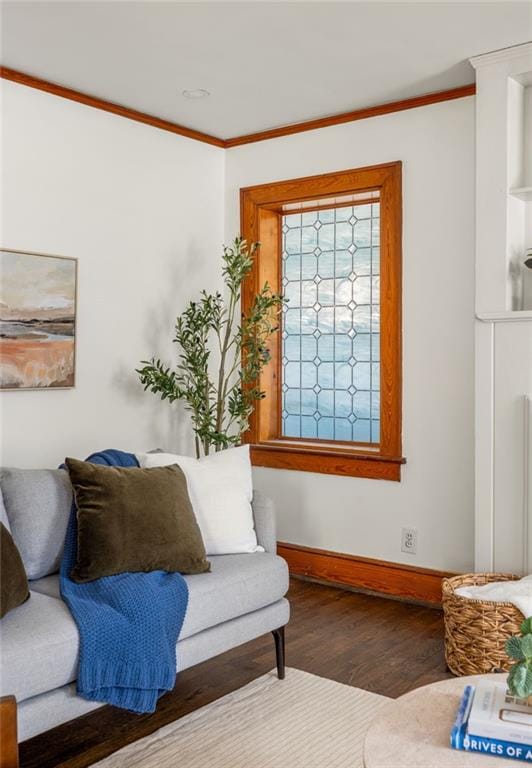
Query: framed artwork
37	320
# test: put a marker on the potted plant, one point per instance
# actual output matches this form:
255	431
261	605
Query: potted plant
219	395
519	648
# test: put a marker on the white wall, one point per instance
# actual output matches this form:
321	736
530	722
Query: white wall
364	517
142	210
527	131
527	175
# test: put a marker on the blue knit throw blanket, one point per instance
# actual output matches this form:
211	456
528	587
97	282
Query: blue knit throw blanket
128	624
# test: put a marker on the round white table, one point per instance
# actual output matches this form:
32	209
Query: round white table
413	731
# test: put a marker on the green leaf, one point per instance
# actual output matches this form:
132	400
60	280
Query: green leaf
520	679
514	650
526	646
517	680
219	411
526	626
528	682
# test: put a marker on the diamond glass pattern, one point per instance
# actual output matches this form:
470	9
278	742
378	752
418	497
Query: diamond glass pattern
330	271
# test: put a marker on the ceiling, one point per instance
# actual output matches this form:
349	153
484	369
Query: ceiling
266	64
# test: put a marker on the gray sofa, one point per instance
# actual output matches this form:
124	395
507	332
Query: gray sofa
241	599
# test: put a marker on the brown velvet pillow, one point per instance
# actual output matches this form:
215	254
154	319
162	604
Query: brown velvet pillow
13	580
132	519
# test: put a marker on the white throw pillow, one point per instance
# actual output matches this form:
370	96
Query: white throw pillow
220	489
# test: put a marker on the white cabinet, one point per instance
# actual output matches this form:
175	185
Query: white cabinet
503	523
512	452
503	341
503	181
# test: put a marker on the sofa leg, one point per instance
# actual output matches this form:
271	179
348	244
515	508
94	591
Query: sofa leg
8	731
278	636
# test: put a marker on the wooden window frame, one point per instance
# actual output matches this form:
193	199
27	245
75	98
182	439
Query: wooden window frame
261	210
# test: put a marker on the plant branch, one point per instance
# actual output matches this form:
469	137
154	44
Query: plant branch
219	413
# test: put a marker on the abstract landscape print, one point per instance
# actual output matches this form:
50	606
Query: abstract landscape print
37	320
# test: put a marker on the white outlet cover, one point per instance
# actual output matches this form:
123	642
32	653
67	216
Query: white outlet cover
409	540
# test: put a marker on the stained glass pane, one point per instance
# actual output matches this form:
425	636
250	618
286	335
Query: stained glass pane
331	325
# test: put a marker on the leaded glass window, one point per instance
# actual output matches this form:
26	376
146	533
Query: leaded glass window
331	324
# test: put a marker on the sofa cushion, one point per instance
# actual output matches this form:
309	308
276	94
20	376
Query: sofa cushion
13	580
37	503
133	520
3	513
48	585
39	644
237	584
221	491
39	640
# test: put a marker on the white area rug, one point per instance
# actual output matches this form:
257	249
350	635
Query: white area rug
303	721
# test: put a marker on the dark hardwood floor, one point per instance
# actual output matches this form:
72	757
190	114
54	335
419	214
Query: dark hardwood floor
374	643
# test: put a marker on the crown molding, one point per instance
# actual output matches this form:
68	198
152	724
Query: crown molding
38	83
357	114
107	106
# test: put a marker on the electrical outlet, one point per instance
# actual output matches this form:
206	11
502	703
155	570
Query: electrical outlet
409	540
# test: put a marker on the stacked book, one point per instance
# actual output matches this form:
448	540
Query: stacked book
492	721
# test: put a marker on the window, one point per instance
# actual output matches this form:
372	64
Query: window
332	245
330	374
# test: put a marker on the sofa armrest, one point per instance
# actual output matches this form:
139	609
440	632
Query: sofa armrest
8	732
264	518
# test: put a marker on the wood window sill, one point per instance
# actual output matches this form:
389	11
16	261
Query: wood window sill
326	459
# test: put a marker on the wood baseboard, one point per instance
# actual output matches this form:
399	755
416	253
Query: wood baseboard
406	582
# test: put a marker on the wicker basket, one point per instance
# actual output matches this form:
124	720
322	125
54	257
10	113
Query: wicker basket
476	630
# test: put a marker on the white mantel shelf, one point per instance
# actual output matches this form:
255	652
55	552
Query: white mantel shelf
504	317
522	193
